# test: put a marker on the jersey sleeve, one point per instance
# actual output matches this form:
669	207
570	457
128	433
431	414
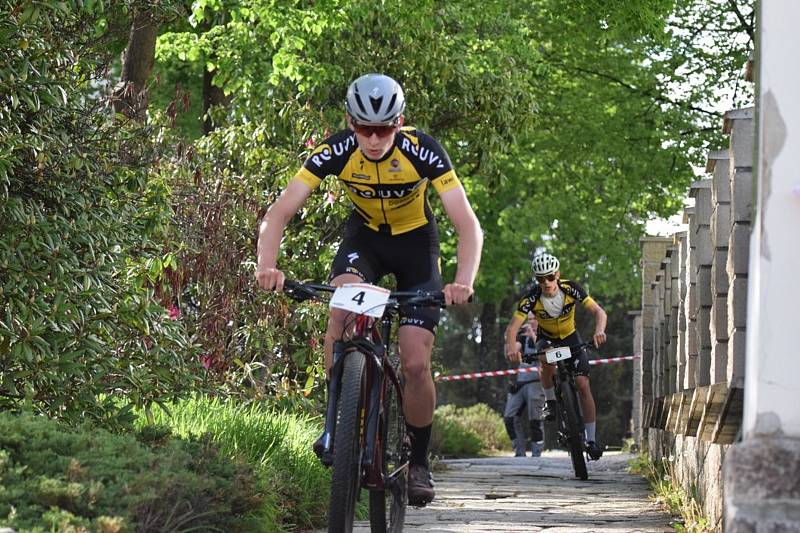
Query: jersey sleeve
328	158
524	306
430	159
575	290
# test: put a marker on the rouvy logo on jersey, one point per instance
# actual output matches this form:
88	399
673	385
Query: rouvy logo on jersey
384	191
424	154
410	321
324	152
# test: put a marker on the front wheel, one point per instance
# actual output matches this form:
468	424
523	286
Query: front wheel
387	508
572	425
347	449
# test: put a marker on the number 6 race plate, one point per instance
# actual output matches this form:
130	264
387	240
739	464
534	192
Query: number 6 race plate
557	354
361	298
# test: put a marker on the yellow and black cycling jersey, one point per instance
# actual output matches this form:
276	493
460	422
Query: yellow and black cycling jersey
389	194
554	327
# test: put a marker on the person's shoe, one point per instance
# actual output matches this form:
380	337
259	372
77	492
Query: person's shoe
519	454
549	410
536	449
595	452
319	449
420	486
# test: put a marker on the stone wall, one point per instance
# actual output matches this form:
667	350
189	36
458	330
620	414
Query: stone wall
692	327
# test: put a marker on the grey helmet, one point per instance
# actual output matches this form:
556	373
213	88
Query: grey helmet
375	99
544	264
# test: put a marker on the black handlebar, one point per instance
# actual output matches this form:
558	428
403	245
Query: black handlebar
301	291
532	357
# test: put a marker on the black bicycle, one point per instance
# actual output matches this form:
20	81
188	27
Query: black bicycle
569	420
365	438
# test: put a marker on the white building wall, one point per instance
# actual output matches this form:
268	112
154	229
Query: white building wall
772	399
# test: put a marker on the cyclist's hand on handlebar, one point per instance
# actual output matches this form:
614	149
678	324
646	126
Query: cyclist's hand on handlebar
456	293
599	338
270	279
513	354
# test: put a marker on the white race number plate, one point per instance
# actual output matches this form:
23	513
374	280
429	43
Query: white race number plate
361	298
557	354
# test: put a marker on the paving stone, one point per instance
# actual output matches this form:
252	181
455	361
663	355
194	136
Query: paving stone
509	494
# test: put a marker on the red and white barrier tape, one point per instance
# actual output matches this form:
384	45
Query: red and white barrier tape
522	370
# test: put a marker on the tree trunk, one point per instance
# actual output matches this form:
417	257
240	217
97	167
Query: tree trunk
212	96
130	96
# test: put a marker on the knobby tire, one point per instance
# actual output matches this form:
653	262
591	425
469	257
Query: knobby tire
387	508
574	428
347	449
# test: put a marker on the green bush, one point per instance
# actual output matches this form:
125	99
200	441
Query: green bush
487	424
467	431
55	478
82	219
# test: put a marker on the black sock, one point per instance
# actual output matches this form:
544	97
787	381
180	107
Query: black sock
420	439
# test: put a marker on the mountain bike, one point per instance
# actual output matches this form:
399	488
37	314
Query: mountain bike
569	420
364	440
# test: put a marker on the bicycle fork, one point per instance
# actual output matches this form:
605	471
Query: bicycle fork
333	400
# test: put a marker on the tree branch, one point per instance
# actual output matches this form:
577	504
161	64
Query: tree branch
746	26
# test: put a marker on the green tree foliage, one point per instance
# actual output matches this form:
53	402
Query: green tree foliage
82	333
565	121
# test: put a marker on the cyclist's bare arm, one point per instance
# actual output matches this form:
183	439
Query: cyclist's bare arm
270	233
470	244
513	353
600	319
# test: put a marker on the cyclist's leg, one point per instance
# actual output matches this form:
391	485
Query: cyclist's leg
546	374
355	262
415	340
588	409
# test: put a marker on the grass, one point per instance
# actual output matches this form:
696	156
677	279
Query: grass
670	493
277	444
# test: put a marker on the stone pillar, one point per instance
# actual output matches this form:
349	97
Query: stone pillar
636	413
681	245
658	334
690	303
739	124
701	192
653	250
762	472
718	165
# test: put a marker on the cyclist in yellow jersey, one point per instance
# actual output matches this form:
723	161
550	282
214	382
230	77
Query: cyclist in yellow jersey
553	302
386	169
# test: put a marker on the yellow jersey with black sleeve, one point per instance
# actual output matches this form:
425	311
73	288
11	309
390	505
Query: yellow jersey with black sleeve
389	194
562	324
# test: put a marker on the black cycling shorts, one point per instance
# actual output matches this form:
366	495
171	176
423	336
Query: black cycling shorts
413	258
580	360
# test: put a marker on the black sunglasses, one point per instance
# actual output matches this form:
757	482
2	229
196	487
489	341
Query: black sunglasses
367	130
549	277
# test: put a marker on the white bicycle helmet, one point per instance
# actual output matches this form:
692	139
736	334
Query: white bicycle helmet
544	264
375	99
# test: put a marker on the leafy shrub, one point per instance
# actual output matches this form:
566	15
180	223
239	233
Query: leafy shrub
450	437
467	431
487	424
82	223
58	478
